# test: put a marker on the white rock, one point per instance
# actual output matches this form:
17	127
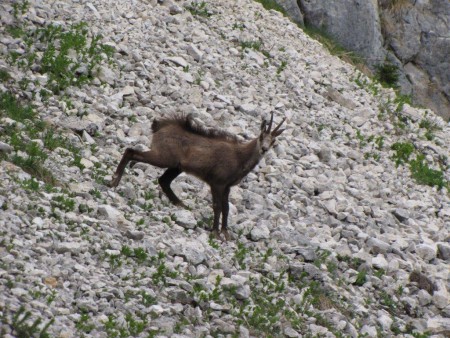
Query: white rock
385	321
185	218
193	51
380	262
426	252
261	231
177	60
111	214
438	325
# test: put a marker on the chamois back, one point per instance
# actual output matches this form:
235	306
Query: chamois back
187	123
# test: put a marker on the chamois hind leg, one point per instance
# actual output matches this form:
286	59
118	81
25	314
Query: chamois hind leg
131	154
225	209
165	180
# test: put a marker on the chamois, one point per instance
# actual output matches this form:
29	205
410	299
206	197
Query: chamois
214	156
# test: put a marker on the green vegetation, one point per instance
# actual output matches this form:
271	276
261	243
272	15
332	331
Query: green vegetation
334	47
387	74
199	9
69	56
21	325
430	127
402	152
272	4
420	170
423	174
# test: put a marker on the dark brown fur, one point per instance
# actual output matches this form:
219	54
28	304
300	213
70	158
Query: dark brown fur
214	156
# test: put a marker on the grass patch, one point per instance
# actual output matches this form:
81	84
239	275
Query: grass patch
334	47
67	55
22	325
423	174
272	4
10	107
199	9
402	152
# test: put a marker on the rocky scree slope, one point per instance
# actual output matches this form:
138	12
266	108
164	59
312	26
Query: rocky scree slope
342	230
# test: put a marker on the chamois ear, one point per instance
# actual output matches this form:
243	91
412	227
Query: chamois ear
263	125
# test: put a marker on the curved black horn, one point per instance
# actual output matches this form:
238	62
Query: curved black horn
270	123
278	127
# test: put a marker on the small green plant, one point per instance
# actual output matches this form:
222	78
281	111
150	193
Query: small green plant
214	244
361	278
430	127
388	301
379	273
281	67
84	324
96	193
140	254
402	152
240	254
199	9
70	56
401	100
63	203
10	107
20	325
4	75
423	174
147	299
252	44
126	251
52	140
20	8
31	184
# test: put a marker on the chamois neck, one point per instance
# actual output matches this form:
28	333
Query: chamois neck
251	155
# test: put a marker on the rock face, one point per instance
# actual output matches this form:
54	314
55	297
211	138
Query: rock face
291	7
333	234
354	23
413	35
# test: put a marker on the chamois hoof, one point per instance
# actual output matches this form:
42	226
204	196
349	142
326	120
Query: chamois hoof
226	235
114	182
216	235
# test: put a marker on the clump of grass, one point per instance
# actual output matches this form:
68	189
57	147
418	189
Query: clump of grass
10	107
281	67
69	56
252	44
4	75
402	152
420	170
199	9
272	4
430	128
423	174
335	48
21	325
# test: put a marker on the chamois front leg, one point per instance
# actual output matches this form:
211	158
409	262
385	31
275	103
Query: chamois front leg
225	209
217	195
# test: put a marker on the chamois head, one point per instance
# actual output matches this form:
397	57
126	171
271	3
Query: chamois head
268	136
